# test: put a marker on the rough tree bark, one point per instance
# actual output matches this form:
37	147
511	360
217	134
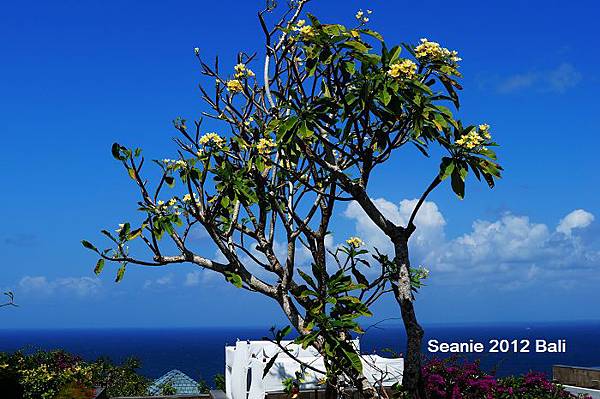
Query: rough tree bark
412	378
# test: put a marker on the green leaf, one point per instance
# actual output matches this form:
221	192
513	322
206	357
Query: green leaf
134	234
309	280
450	89
99	266
304	132
395	54
120	273
354	360
334	29
372	33
234	279
286	331
170	181
489	179
225	202
458	184
89	245
116	151
358	46
119	152
350	67
385	96
359	277
488	153
307	293
446	168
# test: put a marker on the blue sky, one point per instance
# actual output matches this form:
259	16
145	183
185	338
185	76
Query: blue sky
78	75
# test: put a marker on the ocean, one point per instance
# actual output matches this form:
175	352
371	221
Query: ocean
199	352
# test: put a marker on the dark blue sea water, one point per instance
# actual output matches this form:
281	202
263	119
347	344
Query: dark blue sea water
200	351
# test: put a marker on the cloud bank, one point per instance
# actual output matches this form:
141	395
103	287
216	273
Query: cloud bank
79	286
509	253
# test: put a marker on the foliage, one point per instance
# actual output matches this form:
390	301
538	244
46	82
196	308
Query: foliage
50	374
451	378
167	388
203	386
219	381
119	380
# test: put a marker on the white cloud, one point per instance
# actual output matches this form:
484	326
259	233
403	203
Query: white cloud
80	286
577	219
199	277
562	78
557	80
429	221
518	82
510	239
192	279
161	282
511	252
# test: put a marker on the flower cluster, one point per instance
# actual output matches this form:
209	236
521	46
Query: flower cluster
235	86
306	31
174	164
242	71
484	130
167	207
212	139
355	242
188	198
404	69
450	378
475	138
264	146
361	17
432	51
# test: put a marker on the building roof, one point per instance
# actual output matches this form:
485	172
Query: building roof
182	383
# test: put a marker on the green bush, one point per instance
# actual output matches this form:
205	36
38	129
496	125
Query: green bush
120	380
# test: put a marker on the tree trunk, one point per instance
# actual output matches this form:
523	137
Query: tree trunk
412	380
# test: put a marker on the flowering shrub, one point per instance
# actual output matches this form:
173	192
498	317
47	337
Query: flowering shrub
451	379
44	374
58	374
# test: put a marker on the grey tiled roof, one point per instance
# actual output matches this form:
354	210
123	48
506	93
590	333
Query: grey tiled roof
178	380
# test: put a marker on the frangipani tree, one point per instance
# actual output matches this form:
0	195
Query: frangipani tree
332	104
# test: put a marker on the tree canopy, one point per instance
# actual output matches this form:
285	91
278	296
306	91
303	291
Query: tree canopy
332	104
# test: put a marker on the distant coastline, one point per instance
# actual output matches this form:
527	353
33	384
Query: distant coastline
199	352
